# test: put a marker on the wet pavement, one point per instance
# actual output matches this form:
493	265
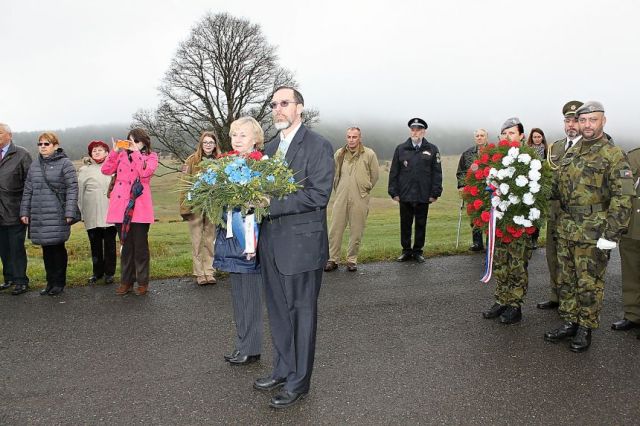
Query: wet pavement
397	344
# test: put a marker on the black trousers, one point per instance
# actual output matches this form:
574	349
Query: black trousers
103	250
409	212
12	254
135	257
477	237
55	264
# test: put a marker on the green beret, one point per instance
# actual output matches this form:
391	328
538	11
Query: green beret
589	107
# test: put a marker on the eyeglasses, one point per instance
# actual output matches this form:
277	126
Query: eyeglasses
44	143
283	104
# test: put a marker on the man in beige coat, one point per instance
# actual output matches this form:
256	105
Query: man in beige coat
356	174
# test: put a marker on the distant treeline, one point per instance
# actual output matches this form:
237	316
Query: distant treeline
381	138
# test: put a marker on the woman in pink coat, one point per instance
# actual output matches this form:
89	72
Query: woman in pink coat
134	164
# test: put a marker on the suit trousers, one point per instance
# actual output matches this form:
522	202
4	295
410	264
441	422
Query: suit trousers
409	211
103	250
246	293
352	211
13	254
630	258
135	257
203	237
55	264
292	303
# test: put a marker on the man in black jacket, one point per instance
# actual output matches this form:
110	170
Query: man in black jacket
14	165
415	181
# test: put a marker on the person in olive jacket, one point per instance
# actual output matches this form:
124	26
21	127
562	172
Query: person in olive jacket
415	181
14	165
49	206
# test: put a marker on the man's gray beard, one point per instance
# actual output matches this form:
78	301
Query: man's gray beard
281	125
415	140
574	135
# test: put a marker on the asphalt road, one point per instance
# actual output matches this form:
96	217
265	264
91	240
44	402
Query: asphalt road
397	344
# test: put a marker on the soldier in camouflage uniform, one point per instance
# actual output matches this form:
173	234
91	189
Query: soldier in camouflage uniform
630	256
556	153
466	159
510	260
594	186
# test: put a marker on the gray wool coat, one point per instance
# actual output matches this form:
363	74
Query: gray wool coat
47	216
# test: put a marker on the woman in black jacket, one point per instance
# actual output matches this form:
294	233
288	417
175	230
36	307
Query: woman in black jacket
49	206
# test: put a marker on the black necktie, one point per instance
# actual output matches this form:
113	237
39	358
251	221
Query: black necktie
570	144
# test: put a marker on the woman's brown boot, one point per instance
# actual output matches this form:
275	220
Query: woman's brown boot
123	289
142	289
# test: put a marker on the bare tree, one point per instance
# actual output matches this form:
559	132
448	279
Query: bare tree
224	70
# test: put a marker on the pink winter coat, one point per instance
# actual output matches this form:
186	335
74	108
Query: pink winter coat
142	166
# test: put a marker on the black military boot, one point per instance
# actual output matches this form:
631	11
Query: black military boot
494	311
567	329
511	315
582	340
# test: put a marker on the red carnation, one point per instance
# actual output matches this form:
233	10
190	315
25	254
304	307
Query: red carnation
486	171
511	229
478	222
503	143
477	203
479	175
515	144
518	233
255	155
506	239
484	158
485	216
499	233
497	157
491	146
473	190
469	208
530	230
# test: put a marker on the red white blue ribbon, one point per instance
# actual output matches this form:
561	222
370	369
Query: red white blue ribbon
491	244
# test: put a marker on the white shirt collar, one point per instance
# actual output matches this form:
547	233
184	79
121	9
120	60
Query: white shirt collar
573	141
291	134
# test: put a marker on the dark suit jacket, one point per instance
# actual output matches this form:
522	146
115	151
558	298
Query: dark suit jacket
298	222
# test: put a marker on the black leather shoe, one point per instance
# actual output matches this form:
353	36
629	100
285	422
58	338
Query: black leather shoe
624	325
567	329
404	257
6	285
494	311
284	399
45	291
244	359
582	340
55	291
108	279
547	304
20	288
267	383
93	279
419	258
511	315
476	247
233	354
330	266
352	267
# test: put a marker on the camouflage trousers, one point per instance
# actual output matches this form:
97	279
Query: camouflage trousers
510	262
581	281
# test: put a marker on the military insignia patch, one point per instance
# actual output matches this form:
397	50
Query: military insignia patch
626	174
426	152
438	157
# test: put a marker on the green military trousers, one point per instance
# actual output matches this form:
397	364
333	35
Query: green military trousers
552	259
630	258
510	262
581	281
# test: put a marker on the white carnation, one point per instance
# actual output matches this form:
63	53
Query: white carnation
522	181
502	174
513	152
534	187
524	158
535	164
511	171
493	172
507	160
504	205
534	175
527	223
518	220
528	199
495	201
514	199
264	157
498	215
534	214
504	188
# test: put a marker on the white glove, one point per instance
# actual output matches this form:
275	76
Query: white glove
603	244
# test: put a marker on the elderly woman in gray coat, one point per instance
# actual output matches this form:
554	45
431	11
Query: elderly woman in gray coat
49	206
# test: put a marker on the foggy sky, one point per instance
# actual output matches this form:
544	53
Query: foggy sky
455	63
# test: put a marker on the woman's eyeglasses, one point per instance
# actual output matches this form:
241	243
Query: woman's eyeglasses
44	143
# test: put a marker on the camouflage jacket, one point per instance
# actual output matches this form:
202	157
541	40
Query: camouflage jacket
556	153
634	223
466	159
594	184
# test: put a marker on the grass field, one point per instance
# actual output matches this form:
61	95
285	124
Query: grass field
171	247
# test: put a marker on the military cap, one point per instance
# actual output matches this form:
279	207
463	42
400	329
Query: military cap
417	122
589	107
513	121
570	108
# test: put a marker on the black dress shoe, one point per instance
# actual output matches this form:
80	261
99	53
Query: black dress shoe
45	291
547	304
55	291
476	247
268	383
330	266
108	279
93	279
624	325
6	285
244	359
567	329
284	399
404	257
494	311
233	354
582	340
20	288
511	315
419	258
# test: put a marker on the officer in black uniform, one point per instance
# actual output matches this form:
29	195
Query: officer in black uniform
415	181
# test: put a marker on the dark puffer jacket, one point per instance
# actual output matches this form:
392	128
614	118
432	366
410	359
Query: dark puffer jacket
47	218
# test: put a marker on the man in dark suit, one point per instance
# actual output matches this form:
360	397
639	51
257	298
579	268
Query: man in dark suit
415	181
294	248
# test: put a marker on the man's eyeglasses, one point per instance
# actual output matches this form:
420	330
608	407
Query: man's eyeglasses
283	104
44	143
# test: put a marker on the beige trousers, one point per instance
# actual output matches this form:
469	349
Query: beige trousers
203	237
352	212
